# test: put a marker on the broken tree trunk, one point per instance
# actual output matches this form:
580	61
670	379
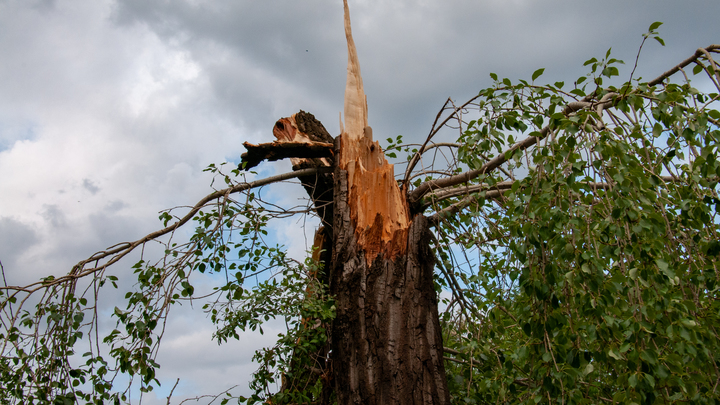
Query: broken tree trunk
386	337
386	342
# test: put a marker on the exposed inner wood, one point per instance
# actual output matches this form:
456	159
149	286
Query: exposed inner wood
378	209
302	127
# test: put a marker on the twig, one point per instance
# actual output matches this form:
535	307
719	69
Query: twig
172	390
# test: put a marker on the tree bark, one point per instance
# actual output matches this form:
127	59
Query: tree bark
386	337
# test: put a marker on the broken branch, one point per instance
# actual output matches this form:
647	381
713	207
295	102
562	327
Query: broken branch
280	150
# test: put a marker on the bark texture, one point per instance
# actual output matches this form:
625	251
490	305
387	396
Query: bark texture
304	128
386	339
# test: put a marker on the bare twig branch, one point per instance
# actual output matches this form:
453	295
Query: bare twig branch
416	157
172	390
455	208
424	188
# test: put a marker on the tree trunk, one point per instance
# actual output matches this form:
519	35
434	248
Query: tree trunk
386	338
386	342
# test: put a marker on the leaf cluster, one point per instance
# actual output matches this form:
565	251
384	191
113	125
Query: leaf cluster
593	275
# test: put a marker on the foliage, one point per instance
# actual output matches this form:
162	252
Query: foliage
594	277
40	362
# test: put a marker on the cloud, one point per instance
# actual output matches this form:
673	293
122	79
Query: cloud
54	215
90	186
15	239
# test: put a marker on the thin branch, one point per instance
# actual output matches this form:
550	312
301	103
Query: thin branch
123	249
682	64
495	193
716	79
172	390
214	397
450	211
425	188
444	194
416	157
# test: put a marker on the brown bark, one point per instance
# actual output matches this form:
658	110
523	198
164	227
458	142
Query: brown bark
386	338
296	135
303	128
281	150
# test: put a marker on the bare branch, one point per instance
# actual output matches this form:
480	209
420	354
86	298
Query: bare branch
444	194
493	193
425	188
416	157
682	64
280	150
435	219
172	390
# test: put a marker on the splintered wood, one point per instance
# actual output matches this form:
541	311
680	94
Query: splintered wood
377	207
286	130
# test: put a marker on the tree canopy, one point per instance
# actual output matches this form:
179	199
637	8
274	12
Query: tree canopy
575	232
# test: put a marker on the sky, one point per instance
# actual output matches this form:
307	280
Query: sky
110	109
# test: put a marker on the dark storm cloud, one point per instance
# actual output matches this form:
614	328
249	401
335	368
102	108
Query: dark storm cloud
54	215
256	54
413	54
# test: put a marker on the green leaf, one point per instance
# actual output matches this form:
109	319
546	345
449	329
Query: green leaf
649	356
615	355
664	268
546	357
655	25
651	381
537	73
611	71
633	380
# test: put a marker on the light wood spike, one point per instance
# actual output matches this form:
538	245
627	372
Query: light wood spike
355	99
377	207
